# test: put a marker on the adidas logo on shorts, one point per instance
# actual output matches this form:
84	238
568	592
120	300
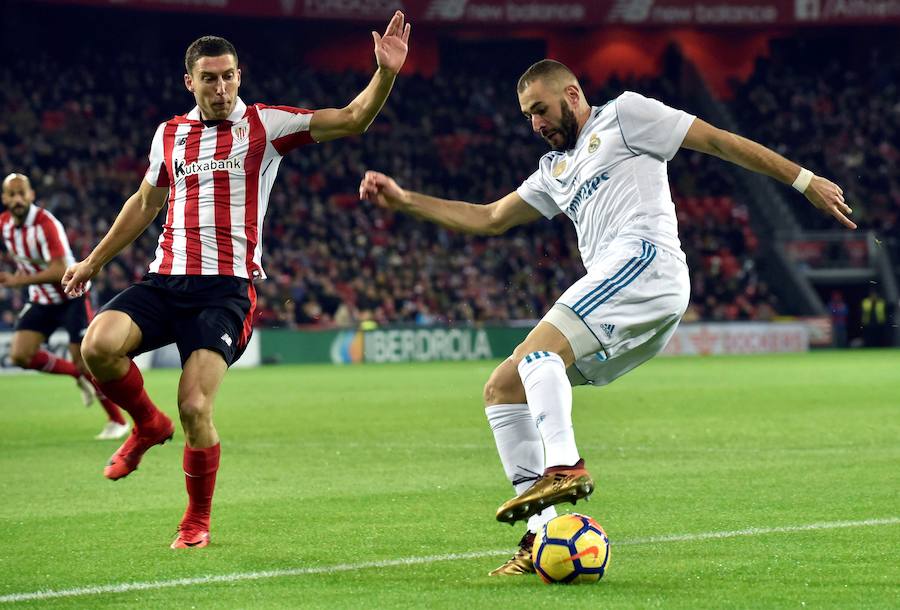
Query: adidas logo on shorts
226	339
608	329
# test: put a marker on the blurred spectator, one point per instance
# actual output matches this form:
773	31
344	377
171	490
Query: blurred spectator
839	310
7	319
874	319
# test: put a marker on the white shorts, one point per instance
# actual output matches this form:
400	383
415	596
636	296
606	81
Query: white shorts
623	312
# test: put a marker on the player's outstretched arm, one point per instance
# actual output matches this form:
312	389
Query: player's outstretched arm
355	117
52	274
490	219
824	194
136	215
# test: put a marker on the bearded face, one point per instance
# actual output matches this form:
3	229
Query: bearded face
563	136
550	114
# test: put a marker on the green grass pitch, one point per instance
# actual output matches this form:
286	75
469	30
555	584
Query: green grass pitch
327	469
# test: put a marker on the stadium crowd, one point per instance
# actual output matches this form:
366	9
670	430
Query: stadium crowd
331	259
839	117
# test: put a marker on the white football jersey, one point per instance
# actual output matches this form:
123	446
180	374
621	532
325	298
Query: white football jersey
613	183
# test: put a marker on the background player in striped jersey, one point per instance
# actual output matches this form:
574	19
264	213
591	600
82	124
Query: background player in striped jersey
607	173
38	243
215	165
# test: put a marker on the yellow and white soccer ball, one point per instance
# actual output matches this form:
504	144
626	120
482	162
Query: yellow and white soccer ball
571	548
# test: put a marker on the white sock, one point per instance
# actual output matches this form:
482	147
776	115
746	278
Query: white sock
521	451
549	397
536	522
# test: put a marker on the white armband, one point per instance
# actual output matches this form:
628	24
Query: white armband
803	179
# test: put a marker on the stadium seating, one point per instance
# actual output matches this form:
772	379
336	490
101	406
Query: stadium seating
825	116
331	259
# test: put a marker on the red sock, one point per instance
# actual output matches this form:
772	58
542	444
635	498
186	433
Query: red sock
47	362
111	408
200	467
128	392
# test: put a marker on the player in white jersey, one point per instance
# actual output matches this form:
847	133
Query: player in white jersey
607	173
37	242
215	165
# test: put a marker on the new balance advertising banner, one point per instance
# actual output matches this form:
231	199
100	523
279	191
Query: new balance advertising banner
547	12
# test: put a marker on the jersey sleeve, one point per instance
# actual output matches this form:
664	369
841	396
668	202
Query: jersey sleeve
650	127
535	195
54	244
286	127
157	174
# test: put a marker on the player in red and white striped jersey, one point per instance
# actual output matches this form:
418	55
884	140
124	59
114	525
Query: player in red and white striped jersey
215	165
37	242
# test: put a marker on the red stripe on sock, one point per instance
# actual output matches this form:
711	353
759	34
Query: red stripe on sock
47	362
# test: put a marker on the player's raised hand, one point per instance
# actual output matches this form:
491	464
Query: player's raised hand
76	277
391	49
828	197
383	190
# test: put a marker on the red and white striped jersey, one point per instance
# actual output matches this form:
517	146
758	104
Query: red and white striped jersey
219	180
33	244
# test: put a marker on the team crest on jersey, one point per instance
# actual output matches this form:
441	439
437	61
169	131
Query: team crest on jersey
559	168
594	143
240	132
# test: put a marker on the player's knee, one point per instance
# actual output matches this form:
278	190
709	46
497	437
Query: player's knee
98	348
92	351
519	354
504	386
194	409
21	358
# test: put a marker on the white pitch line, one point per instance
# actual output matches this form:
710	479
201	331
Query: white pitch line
756	531
406	561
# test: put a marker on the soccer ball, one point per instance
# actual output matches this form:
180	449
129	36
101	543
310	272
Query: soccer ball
571	548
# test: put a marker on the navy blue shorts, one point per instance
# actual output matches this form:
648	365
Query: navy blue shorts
74	315
213	312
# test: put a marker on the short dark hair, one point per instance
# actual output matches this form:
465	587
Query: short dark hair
207	46
545	69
